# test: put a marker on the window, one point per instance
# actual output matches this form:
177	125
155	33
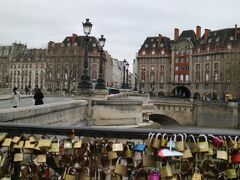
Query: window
187	78
143	53
215	66
197	76
182	60
176	77
228	86
176	60
181	78
94	44
161	77
187	68
152	68
231	38
153	52
146	45
161	68
176	68
161	45
206	77
197	67
215	77
229	47
206	86
206	67
154	45
162	52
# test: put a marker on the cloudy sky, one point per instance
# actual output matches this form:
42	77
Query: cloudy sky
125	23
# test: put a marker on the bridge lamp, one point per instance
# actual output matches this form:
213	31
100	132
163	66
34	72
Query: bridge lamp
127	66
85	82
100	82
124	66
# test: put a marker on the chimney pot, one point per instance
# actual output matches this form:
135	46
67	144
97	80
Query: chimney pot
206	34
198	32
176	34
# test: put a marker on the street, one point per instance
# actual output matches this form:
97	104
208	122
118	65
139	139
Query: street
29	101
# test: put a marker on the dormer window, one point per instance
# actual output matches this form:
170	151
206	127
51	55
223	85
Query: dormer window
229	47
231	38
146	45
154	45
94	45
210	40
161	45
217	40
143	53
215	34
152	40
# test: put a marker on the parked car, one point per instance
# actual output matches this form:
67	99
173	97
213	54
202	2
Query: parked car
113	91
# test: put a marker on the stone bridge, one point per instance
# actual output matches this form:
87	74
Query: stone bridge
127	109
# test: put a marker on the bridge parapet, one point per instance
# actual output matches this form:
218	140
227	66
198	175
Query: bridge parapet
64	113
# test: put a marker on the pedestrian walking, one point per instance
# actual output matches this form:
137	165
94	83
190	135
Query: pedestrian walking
15	98
38	96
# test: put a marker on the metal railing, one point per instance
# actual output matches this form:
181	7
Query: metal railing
127	133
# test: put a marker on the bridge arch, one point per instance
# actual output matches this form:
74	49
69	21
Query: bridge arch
163	119
181	91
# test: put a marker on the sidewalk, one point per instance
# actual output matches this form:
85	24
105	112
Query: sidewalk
7	96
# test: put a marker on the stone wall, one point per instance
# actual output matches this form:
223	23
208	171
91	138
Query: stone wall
64	113
116	112
216	115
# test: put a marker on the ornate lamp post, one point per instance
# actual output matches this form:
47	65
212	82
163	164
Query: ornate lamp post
123	83
85	82
100	82
135	86
127	66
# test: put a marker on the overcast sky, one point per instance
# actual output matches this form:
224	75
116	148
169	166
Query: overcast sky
125	23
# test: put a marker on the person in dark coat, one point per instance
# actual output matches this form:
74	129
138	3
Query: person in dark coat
38	96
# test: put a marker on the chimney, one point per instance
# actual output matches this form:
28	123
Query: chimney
159	39
206	34
176	34
235	35
74	38
198	32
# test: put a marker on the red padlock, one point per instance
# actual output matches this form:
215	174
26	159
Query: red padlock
216	141
235	158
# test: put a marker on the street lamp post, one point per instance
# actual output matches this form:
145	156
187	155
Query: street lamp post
127	66
85	82
100	82
135	87
123	83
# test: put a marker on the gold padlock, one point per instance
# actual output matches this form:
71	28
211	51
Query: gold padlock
180	145
112	155
19	145
156	142
67	145
187	153
44	143
192	144
221	154
164	140
70	174
128	153
18	157
234	142
120	169
55	146
148	160
166	171
231	173
203	146
16	139
2	136
85	175
29	145
42	158
7	142
196	175
149	141
77	144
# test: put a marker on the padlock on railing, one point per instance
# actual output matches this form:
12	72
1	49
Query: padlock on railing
187	153
231	172
44	142
234	142
164	140
128	153
203	146
154	175
166	171
120	169
180	145
216	141
148	160
85	174
193	146
156	142
196	174
55	145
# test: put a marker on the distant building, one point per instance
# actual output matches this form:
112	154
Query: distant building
27	67
65	62
116	74
191	65
4	65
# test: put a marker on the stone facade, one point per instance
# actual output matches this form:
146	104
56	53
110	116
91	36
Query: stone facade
191	65
65	63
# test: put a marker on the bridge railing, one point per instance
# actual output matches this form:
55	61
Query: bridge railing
128	133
